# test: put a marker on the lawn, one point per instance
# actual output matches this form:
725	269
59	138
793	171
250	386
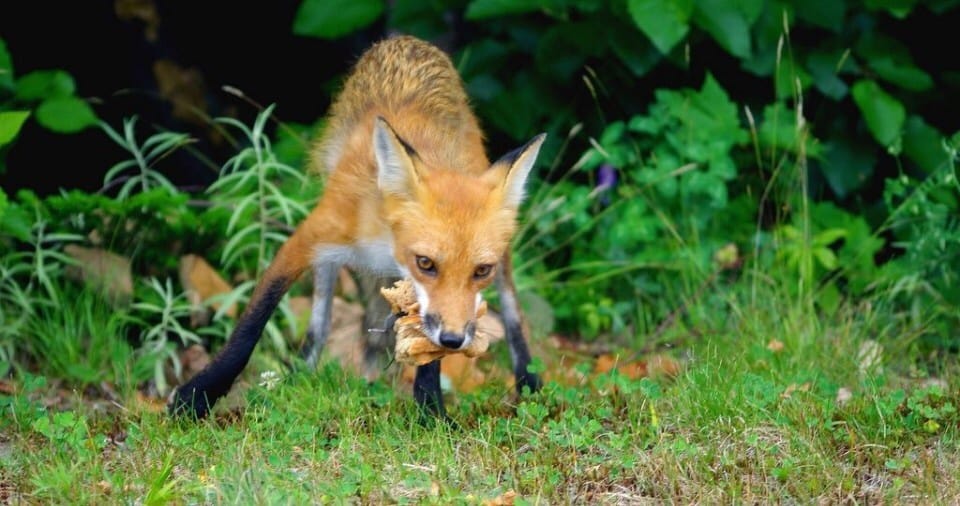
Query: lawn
769	405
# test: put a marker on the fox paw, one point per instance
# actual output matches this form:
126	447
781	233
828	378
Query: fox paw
190	402
529	380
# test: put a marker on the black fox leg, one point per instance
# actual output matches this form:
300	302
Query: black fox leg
324	281
513	326
198	395
426	390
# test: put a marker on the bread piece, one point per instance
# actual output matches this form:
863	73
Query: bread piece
413	347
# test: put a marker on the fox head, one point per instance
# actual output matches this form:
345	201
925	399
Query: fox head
450	228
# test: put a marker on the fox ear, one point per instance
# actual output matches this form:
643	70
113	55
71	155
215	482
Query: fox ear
396	174
517	164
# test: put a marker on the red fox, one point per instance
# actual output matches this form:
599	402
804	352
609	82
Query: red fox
410	193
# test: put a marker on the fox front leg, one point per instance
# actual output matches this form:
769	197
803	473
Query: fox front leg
513	326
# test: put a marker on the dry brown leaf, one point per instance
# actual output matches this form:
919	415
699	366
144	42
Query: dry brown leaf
605	363
193	360
142	10
106	272
148	403
663	365
201	282
655	365
184	88
795	388
506	499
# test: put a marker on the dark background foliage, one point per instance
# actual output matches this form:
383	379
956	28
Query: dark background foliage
873	80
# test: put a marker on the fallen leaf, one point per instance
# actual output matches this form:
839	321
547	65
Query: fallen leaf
184	88
605	363
193	360
104	271
794	388
149	403
202	282
139	10
655	365
663	365
104	487
506	499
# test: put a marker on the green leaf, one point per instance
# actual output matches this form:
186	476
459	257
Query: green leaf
65	114
416	17
826	258
10	123
563	49
924	144
941	6
823	68
15	222
847	165
898	8
633	50
42	84
6	66
902	74
727	23
884	114
486	9
665	22
329	20
823	13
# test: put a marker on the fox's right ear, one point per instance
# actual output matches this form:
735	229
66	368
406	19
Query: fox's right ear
515	167
396	174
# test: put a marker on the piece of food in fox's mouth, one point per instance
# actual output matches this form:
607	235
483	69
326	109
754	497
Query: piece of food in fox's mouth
413	347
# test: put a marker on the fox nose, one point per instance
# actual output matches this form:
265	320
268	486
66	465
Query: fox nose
451	340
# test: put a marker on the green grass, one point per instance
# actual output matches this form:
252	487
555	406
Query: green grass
741	423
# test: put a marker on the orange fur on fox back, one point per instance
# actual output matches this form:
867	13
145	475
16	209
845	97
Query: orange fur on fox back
414	86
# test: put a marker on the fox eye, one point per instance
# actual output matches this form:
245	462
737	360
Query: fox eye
482	271
426	265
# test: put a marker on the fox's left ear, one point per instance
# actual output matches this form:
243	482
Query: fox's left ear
517	165
396	173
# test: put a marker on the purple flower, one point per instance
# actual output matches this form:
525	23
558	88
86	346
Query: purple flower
606	180
606	177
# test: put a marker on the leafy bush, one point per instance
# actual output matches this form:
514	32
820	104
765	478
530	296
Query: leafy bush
47	95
